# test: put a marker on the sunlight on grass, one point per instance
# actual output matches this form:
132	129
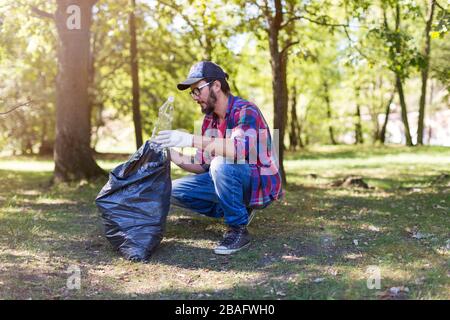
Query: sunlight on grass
401	159
54	201
27	165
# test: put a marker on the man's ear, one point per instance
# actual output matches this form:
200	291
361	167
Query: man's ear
217	86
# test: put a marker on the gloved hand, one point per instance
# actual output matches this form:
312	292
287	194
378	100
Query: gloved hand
174	138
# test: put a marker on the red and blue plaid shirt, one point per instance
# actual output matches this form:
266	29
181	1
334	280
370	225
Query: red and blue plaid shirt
246	125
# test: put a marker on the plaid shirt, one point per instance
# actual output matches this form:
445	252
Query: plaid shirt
246	125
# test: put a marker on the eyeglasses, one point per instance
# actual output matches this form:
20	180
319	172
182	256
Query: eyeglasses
196	91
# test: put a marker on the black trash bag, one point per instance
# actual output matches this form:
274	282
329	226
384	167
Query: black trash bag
135	202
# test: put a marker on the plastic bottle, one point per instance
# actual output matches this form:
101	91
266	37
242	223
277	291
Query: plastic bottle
165	117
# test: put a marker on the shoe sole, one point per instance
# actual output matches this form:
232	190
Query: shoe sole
230	251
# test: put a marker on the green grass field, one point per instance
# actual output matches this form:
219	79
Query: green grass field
317	243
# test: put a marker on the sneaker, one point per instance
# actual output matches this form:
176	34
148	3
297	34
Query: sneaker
234	240
251	215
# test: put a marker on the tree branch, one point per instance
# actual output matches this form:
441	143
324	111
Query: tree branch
42	13
322	23
179	11
288	45
442	8
16	107
278	17
356	47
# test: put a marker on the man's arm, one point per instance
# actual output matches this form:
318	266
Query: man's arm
185	162
221	146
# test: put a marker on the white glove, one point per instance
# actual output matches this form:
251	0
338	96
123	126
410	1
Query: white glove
174	138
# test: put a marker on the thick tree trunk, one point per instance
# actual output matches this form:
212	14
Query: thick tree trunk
424	73
404	110
91	86
135	77
72	155
279	84
279	87
329	117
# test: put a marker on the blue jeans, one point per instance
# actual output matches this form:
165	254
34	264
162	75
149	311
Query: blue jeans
223	191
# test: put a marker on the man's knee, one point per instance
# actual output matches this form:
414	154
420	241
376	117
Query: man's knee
219	166
178	192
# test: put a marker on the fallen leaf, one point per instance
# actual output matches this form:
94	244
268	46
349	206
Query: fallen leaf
419	281
332	272
436	206
280	293
419	235
393	293
397	290
353	256
292	258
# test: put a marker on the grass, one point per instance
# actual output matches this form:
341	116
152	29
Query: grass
317	243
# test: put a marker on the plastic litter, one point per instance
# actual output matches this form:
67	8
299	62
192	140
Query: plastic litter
135	201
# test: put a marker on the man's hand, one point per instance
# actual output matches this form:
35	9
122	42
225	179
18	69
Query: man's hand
174	138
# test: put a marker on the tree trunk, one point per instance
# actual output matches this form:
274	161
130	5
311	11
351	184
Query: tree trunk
399	79
304	128
424	73
295	139
386	118
404	111
279	84
91	85
279	87
374	110
72	155
327	101
135	77
358	126
47	146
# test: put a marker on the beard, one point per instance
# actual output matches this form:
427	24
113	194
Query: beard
210	103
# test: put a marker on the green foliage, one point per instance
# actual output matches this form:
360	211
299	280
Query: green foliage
402	55
442	23
28	70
